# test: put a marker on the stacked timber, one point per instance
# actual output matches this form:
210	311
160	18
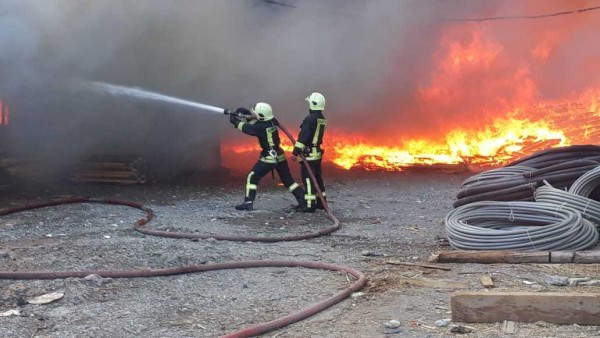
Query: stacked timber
110	169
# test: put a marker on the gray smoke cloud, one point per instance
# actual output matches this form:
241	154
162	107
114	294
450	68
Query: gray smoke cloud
367	57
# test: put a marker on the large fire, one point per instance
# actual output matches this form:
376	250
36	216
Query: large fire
484	105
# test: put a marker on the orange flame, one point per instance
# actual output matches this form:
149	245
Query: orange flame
483	106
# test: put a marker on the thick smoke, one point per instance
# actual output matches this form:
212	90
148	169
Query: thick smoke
369	58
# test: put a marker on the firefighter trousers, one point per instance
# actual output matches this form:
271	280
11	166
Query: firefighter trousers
262	168
311	191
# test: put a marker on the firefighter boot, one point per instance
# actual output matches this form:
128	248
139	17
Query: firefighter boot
301	207
247	205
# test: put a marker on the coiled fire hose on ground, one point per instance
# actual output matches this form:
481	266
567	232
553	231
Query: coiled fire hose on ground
527	226
139	226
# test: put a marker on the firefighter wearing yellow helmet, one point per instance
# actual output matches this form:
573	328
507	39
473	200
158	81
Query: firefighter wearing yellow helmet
309	143
260	122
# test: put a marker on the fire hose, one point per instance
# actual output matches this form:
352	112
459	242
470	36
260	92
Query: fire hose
247	332
139	226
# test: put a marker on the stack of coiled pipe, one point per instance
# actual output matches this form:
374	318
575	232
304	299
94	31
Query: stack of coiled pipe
576	197
542	202
527	226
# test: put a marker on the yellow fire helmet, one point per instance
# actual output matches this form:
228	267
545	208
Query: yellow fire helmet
316	101
263	111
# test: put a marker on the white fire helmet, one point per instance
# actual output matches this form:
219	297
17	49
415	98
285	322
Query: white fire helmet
316	101
263	111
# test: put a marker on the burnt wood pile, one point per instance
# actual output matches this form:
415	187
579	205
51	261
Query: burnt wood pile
125	169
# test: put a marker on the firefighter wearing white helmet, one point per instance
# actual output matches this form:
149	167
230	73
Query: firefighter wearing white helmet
260	122
263	111
309	143
316	101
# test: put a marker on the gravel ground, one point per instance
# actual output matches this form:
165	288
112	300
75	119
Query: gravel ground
385	217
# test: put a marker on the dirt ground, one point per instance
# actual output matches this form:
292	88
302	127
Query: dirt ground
385	217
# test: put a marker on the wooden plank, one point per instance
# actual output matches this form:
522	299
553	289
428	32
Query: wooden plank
559	257
527	307
491	256
429	266
434	283
486	281
587	257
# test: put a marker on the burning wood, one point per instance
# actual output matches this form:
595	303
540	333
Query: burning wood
111	169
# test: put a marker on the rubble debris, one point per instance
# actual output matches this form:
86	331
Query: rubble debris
392	324
12	312
510	327
357	294
558	280
486	281
461	329
96	280
594	282
368	253
443	322
576	281
47	298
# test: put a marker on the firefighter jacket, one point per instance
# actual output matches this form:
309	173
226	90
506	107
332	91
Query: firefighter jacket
311	134
268	138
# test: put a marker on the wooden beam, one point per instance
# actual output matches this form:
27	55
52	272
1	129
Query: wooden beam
428	266
559	257
527	307
587	257
491	256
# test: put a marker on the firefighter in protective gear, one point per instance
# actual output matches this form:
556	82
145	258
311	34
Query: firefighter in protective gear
261	122
309	143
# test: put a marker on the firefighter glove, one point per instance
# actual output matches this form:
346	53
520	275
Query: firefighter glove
243	112
233	119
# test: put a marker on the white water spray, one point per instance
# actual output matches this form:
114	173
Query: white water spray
148	95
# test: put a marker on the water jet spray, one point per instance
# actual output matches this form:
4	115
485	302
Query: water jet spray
143	94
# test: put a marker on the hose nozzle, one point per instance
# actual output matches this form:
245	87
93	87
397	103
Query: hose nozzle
228	112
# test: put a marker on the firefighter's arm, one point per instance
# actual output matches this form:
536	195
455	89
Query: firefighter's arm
248	128
306	131
246	125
